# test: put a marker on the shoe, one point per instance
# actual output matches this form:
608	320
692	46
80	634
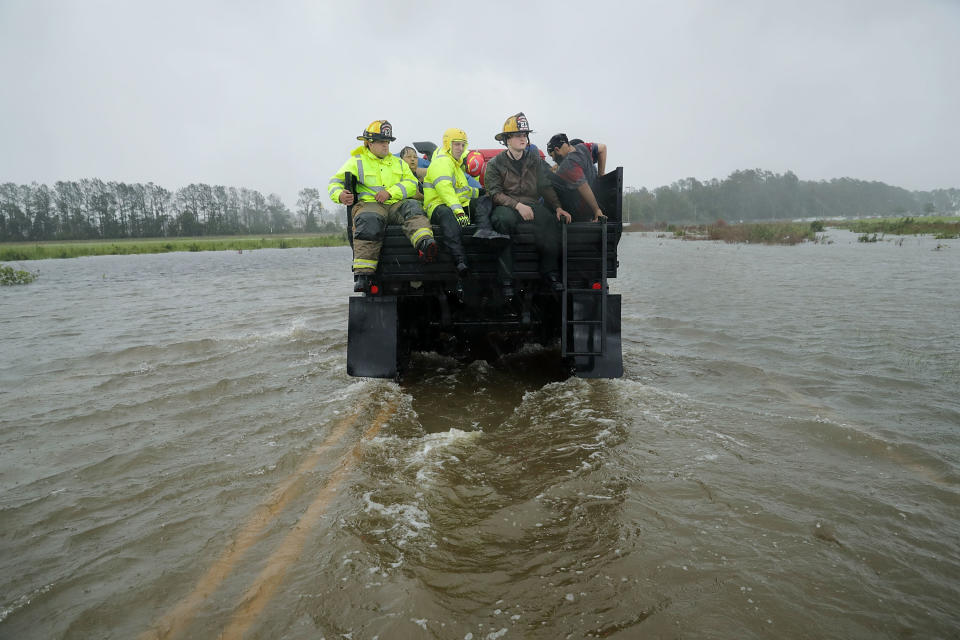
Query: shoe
463	270
506	290
492	238
427	249
361	283
553	281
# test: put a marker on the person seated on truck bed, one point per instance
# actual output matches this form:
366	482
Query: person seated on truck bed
575	177
385	185
450	199
516	179
409	155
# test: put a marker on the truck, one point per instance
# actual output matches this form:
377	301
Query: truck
425	307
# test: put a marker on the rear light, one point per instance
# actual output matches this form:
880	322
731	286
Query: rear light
374	289
596	286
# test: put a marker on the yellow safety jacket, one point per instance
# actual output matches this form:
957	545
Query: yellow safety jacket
446	183
374	174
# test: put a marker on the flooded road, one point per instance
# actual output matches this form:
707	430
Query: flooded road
182	455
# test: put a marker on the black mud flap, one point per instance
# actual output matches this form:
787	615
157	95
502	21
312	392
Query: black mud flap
372	344
589	338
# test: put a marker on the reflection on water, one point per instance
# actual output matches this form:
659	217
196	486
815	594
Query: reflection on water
183	455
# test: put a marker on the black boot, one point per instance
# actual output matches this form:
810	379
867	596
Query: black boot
451	232
506	290
427	249
361	283
480	209
553	281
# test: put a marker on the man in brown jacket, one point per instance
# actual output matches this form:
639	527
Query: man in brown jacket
516	180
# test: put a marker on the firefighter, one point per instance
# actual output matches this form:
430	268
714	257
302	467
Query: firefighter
516	179
451	200
385	185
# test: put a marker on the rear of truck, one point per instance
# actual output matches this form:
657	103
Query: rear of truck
425	307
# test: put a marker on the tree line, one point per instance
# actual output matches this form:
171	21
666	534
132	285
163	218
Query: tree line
93	209
757	195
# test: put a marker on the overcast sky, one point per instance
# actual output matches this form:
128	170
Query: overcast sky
271	95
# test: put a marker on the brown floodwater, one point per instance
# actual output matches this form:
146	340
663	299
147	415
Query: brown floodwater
182	455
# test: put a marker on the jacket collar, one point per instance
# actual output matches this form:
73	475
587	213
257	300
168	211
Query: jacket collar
445	153
362	150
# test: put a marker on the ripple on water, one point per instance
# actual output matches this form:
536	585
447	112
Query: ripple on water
781	455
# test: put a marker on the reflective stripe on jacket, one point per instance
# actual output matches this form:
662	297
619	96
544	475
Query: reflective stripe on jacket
374	174
446	183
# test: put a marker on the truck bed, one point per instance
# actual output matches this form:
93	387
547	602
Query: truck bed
399	262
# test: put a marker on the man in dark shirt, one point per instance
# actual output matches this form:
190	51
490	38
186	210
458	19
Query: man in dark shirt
576	176
516	180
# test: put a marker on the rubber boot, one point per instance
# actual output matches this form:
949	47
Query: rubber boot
553	281
361	283
506	290
480	209
427	249
453	240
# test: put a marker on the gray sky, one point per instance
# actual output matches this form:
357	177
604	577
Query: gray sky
271	96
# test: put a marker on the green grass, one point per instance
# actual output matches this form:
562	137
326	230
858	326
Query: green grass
11	276
752	233
43	250
941	227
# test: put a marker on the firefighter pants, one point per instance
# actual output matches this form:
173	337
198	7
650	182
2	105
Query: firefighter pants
546	232
444	218
370	220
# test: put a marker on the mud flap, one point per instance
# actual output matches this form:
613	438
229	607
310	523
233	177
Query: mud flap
588	338
372	341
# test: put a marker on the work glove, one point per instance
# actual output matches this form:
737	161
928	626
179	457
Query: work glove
463	219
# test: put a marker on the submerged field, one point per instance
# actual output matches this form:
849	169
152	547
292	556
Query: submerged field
786	232
749	233
76	249
941	227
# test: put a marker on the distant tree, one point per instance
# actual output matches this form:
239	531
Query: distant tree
102	206
219	222
158	202
309	209
281	221
673	204
91	208
14	224
43	226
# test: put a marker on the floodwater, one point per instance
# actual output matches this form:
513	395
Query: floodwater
182	455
